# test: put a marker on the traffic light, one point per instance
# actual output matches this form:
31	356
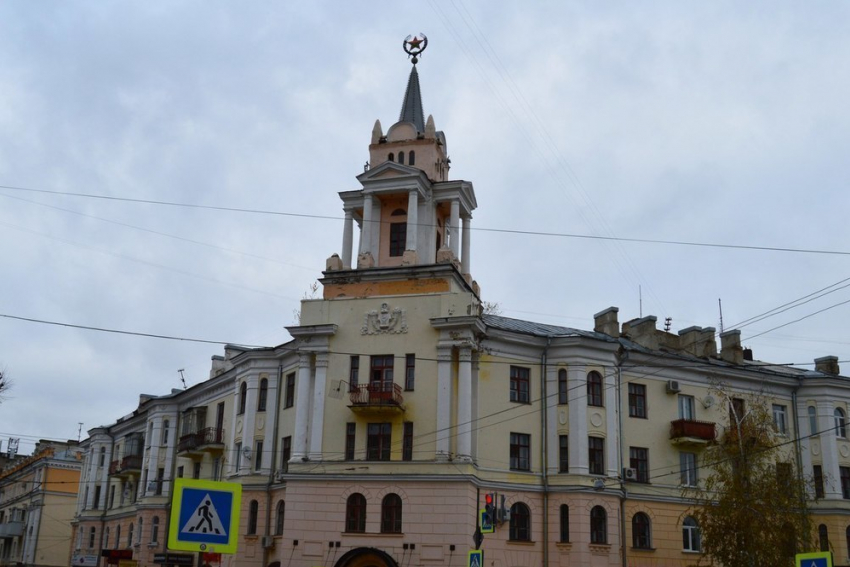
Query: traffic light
488	514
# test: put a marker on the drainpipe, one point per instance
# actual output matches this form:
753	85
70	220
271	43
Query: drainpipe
273	467
544	449
622	355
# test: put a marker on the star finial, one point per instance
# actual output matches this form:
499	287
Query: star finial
414	45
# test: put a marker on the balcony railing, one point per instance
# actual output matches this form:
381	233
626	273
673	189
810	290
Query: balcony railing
376	396
129	464
692	430
206	439
11	529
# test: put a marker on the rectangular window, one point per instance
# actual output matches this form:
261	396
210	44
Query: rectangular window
378	441
160	480
780	421
409	371
563	453
783	474
96	497
687	409
639	460
737	409
382	373
563	388
112	497
844	472
285	453
596	455
520	451
398	237
354	372
289	399
258	456
237	462
688	469
407	442
519	384
216	468
565	523
196	470
350	429
817	471
637	400
180	472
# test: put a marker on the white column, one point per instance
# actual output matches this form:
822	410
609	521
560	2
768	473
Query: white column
805	442
464	405
455	230
612	437
552	424
465	259
577	382
302	407
347	237
444	402
366	228
412	220
252	382
829	450
318	416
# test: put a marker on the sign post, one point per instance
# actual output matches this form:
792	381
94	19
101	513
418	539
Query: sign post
204	516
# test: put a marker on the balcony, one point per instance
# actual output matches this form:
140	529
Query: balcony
207	440
11	529
376	398
692	432
128	466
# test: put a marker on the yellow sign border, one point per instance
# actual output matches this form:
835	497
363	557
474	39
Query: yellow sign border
480	553
177	504
800	557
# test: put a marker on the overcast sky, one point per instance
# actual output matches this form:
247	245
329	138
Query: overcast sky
706	122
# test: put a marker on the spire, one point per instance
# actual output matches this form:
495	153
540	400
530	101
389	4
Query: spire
411	106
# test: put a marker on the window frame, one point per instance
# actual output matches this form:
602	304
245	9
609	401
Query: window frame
637	400
243	397
813	420
289	397
397	239
563	453
639	460
595	385
595	455
598	526
687	407
409	372
641	531
520	381
823	537
253	517
840	419
407	442
350	440
355	514
691	537
780	418
563	388
564	523
520	523
354	372
817	479
688	469
280	515
844	475
263	394
520	451
155	530
379	441
391	514
285	452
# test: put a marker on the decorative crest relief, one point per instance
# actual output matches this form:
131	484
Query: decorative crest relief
385	321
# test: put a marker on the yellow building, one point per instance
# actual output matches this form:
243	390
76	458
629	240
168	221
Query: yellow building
373	436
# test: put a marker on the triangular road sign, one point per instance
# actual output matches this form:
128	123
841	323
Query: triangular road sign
204	520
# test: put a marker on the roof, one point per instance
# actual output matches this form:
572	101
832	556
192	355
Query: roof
536	329
411	106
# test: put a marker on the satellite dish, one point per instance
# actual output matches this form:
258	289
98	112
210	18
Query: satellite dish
708	402
246	452
598	484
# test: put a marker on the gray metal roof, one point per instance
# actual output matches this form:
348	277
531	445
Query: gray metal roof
532	328
411	106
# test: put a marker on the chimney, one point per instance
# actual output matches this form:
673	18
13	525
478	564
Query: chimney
730	347
642	331
827	365
748	354
698	341
605	322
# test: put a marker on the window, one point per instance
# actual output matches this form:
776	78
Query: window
258	456
196	470
391	514
690	535
289	399
817	471
565	524
112	496
563	453
263	395
594	389
382	372
355	513
639	460
596	455
92	534
378	441
409	371
813	420
598	525
350	429
563	390
160	477
243	397
637	400
141	529
106	538
391	157
279	515
823	537
844	473
411	158
165	428
216	468
783	473
96	497
253	513
780	421
840	425
520	451
117	536
285	453
407	442
155	529
398	238
641	536
686	407
519	384
354	372
401	158
688	468
520	527
737	411
130	535
237	463
102	456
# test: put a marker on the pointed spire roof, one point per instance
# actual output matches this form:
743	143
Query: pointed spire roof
411	107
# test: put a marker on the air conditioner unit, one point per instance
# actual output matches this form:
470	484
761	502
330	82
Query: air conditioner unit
267	541
673	387
630	474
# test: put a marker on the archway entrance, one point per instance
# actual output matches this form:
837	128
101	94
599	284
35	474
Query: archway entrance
366	557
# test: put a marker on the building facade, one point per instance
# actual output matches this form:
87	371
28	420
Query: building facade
372	437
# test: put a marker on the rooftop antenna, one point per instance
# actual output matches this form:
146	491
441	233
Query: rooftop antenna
182	378
640	300
79	430
720	306
668	323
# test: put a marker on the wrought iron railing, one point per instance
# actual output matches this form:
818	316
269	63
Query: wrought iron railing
206	436
383	394
704	430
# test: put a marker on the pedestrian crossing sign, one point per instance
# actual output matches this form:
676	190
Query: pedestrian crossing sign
204	516
819	559
475	558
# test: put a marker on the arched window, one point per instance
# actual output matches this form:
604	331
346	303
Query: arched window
155	529
847	536
141	529
562	387
92	534
355	513
130	535
823	537
594	389
253	512
391	157
117	536
401	158
391	514
840	424
278	523
641	535
690	535
565	523
243	396
263	394
106	538
520	529
411	158
598	525
813	420
165	426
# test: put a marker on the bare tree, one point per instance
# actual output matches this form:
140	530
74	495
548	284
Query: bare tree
5	385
